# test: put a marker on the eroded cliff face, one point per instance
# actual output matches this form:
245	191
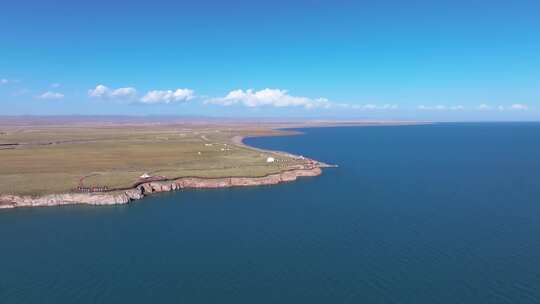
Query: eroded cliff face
126	196
112	198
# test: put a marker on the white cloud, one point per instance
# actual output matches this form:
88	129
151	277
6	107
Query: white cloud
168	96
441	108
268	97
124	93
7	81
51	95
104	92
457	108
516	107
99	92
519	107
482	107
371	107
281	98
432	108
485	107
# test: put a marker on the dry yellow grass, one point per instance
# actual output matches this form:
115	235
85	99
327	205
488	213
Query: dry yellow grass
36	160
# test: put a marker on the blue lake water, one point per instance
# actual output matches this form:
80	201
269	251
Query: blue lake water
446	213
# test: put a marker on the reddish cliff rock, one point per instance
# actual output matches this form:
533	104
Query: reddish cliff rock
125	196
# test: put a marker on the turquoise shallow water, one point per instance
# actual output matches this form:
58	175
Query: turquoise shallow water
445	213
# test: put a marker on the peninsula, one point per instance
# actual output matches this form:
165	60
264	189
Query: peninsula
105	161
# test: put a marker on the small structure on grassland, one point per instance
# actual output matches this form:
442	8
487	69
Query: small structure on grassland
145	178
270	159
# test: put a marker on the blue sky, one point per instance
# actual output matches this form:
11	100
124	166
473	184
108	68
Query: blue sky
441	60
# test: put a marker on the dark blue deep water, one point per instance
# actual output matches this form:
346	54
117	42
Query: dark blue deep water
446	213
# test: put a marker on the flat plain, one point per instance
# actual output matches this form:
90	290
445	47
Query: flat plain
58	155
45	159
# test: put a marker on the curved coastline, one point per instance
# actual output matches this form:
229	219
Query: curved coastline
140	190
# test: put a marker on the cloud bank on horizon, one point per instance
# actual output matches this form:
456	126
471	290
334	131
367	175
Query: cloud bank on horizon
481	107
263	98
249	98
275	98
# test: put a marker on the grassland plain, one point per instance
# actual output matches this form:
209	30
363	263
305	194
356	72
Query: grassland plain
49	156
57	159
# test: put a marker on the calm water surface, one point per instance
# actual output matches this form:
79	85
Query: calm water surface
444	213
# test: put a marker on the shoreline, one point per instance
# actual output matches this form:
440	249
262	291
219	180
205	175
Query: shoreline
143	189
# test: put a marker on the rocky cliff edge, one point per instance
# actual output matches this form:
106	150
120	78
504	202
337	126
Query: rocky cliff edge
126	196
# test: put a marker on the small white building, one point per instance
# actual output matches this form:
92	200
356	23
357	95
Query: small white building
145	175
270	159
